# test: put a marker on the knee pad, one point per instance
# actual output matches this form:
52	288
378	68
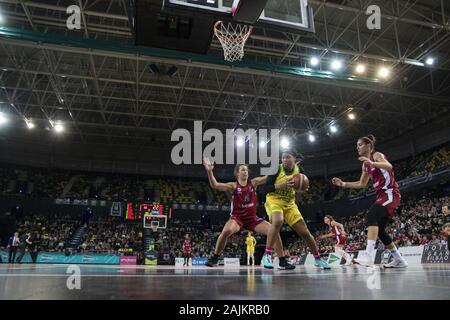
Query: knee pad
376	214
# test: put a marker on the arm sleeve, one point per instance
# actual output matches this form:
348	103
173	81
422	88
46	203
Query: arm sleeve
270	184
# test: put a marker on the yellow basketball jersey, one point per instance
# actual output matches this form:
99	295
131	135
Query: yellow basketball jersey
288	194
250	241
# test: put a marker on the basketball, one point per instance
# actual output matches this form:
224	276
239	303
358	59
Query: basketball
301	182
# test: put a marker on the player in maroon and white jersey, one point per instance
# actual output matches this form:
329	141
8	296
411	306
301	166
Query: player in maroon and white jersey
375	166
186	250
338	233
243	211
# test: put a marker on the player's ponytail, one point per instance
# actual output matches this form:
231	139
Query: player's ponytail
329	217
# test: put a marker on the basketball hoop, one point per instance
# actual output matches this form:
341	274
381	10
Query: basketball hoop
233	37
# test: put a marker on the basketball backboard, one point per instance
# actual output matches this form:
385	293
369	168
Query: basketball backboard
286	14
155	222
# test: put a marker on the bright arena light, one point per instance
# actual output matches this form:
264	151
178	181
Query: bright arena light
384	72
3	118
351	116
311	138
30	124
284	143
336	65
240	141
59	128
360	68
314	61
429	61
262	144
333	129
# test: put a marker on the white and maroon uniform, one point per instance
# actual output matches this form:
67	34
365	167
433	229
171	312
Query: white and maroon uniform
341	240
243	206
386	188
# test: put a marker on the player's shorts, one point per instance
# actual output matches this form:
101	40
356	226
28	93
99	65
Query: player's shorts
390	199
247	222
290	211
251	250
341	240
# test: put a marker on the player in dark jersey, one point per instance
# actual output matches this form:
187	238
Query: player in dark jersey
186	250
338	233
375	166
243	211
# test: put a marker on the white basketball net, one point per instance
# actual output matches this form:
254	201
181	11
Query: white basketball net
233	37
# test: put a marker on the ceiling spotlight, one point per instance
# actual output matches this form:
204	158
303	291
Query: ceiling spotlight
351	116
30	124
284	143
3	118
311	137
314	61
429	61
336	65
59	128
154	68
333	129
384	72
360	68
172	71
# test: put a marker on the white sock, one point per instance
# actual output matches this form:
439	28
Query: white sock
342	253
339	251
396	254
370	247
348	257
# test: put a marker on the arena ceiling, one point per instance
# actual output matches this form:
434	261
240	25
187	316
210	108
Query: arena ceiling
137	98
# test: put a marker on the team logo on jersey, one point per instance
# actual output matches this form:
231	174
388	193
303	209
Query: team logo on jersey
247	198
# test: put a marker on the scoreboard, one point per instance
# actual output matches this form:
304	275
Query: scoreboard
137	210
154	209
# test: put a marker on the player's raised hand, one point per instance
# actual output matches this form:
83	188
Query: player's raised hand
208	165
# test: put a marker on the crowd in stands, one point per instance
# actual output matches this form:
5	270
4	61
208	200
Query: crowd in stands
49	232
202	239
52	233
45	183
111	235
418	221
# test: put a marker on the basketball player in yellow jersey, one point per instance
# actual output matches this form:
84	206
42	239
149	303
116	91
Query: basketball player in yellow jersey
251	243
281	207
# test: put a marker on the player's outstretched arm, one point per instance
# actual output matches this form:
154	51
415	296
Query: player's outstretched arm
259	181
328	235
229	186
361	184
